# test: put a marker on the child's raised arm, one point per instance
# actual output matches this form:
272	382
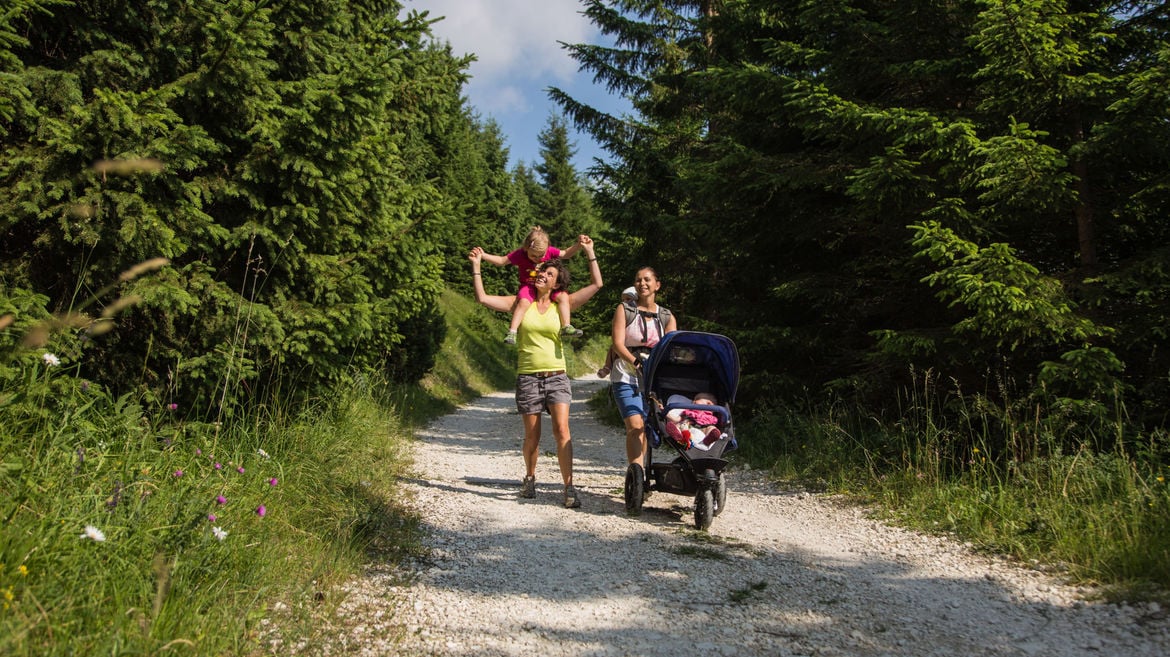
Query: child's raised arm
577	246
498	260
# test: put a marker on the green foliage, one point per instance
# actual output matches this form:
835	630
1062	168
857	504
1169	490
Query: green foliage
281	158
998	476
129	526
489	207
1006	300
781	149
561	203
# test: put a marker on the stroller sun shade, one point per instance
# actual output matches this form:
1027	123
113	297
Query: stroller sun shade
689	362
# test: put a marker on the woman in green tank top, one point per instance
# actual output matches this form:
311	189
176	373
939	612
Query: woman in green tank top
541	381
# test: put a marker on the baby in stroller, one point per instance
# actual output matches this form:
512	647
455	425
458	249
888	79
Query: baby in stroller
690	427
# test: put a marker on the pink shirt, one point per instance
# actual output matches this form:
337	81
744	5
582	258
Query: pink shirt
527	268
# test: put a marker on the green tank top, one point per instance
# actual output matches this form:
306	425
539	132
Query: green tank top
538	341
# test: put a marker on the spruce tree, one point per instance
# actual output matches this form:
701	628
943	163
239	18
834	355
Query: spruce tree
280	156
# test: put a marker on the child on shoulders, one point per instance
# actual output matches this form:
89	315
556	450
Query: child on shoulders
535	250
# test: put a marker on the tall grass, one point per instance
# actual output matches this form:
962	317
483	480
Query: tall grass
132	528
993	474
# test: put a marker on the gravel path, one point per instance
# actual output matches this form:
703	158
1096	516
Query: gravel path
779	573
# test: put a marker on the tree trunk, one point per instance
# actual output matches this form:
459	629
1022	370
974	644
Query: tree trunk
1086	239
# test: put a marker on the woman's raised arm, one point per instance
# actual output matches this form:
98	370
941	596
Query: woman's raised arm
494	302
578	298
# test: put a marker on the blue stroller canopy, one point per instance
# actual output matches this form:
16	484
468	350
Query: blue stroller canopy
716	353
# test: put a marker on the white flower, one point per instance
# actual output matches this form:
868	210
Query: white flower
93	533
51	359
219	533
263	454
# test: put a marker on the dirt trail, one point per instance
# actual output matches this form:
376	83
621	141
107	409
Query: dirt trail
779	573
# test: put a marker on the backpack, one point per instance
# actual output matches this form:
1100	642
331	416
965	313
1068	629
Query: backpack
662	316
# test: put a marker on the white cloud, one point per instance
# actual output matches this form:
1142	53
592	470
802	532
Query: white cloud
505	98
519	56
511	38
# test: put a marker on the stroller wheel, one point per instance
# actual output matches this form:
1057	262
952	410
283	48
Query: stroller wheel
635	487
720	494
704	509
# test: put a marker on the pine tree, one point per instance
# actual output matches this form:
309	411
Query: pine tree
283	166
563	206
786	147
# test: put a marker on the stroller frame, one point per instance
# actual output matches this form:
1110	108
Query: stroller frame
686	363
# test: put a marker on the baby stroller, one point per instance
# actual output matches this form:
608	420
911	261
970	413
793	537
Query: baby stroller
687	363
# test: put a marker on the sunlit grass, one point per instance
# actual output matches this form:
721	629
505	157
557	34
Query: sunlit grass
129	528
980	473
134	526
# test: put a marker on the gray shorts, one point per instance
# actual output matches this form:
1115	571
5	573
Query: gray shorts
535	393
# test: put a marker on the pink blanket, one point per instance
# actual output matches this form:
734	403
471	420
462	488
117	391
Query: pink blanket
701	418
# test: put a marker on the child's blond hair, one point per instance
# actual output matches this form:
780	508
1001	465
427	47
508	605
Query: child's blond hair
536	239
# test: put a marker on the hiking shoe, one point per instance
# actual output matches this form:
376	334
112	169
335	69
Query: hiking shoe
570	332
571	499
510	338
528	487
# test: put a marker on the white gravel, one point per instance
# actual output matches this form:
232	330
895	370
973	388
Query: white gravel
779	573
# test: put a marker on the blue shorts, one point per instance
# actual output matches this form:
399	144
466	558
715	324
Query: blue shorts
628	399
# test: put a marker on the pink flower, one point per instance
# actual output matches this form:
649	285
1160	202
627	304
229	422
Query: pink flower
178	473
211	517
272	481
198	452
240	469
220	499
218	466
260	511
172	406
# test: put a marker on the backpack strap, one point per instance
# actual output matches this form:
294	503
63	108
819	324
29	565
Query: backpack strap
631	310
663	315
663	318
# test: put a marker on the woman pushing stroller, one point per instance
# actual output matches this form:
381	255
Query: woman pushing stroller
636	328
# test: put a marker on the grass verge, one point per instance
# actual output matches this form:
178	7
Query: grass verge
1010	488
130	527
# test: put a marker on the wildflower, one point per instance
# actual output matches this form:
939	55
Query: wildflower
260	510
85	386
178	473
218	466
219	533
1161	479
93	533
198	452
115	497
272	481
23	570
172	406
220	499
240	469
263	454
975	450
211	517
51	359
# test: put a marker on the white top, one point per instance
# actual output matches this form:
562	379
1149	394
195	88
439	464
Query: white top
638	334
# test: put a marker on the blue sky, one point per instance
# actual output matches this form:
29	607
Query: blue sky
519	58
